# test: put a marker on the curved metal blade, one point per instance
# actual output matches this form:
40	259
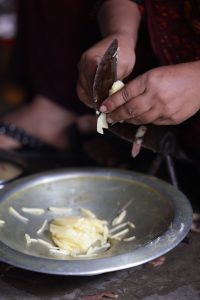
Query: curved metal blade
106	75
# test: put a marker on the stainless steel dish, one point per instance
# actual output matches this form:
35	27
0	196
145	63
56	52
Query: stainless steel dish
162	216
11	167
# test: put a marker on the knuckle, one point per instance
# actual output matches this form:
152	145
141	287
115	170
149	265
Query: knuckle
129	110
174	120
124	94
156	75
168	109
151	78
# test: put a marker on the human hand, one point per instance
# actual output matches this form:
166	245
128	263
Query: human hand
163	96
90	59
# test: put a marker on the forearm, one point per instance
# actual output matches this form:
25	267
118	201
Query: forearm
119	17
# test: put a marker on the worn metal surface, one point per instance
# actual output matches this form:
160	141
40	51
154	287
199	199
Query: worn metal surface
106	75
161	213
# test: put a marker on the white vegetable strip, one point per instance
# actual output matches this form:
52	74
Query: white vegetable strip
42	227
82	255
59	210
129	239
131	225
120	226
13	212
126	205
96	250
87	213
119	219
121	233
101	123
34	240
117	85
28	239
2	222
33	211
45	243
141	132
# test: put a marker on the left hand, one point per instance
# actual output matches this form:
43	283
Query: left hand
91	58
163	96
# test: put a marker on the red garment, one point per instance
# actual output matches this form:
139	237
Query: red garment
174	30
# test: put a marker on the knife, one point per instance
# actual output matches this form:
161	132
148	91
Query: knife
105	76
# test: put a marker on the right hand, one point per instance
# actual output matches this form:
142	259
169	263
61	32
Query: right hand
91	58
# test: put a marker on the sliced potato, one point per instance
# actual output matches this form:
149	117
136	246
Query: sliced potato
101	121
76	234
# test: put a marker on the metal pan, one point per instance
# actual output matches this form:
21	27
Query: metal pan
162	216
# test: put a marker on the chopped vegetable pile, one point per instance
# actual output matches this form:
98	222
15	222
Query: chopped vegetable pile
81	235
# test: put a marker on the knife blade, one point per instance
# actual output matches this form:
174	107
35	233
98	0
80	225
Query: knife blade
106	75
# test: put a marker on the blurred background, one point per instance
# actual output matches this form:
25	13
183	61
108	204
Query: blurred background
11	93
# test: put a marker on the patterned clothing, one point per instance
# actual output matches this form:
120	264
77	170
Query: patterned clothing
174	29
174	32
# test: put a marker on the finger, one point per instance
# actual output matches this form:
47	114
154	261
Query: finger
132	109
131	90
147	118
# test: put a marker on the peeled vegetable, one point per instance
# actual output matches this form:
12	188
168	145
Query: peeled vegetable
117	85
101	121
78	235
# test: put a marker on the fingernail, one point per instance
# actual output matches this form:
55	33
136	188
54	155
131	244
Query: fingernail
103	108
109	120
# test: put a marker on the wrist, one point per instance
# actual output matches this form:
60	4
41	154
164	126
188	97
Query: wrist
120	18
125	40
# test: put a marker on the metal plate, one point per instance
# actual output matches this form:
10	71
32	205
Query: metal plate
162	216
11	167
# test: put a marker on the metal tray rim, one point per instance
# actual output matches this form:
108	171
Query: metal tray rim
171	238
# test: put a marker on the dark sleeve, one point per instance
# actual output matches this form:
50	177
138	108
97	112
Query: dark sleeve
139	1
